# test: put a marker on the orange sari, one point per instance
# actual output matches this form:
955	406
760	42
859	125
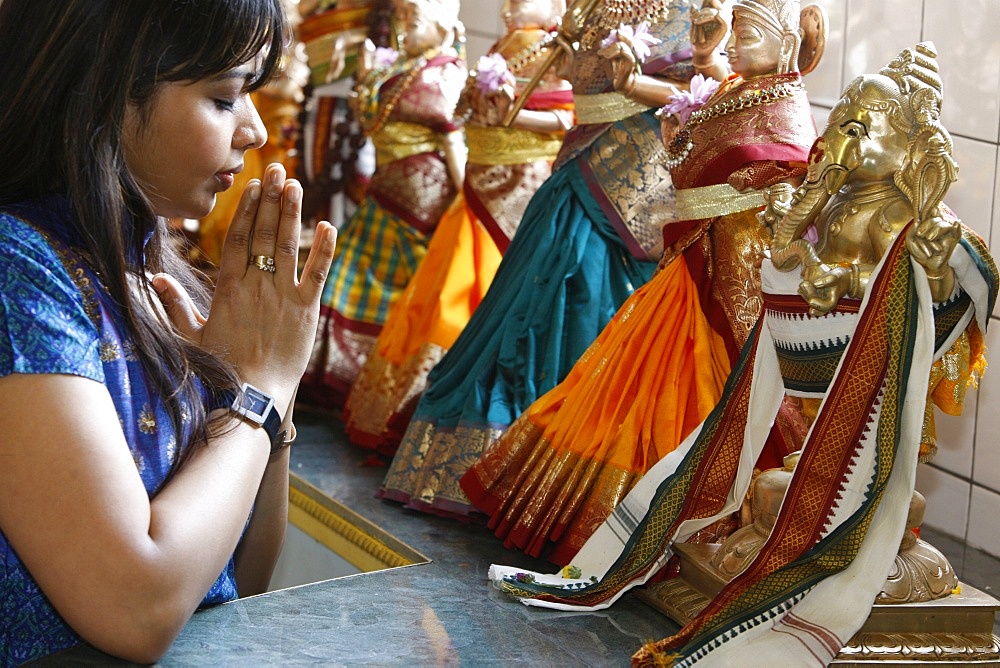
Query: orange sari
659	367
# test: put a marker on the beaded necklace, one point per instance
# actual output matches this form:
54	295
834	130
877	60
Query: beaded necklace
373	115
680	146
530	53
627	12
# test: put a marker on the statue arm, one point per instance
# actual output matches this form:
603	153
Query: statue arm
455	155
629	80
707	30
551	121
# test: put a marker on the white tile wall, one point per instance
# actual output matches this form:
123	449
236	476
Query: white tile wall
947	500
984	530
962	484
986	463
972	195
482	26
826	82
969	54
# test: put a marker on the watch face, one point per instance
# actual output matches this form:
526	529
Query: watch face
254	404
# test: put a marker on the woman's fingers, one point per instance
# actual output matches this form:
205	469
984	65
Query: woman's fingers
286	246
265	227
179	307
236	249
317	265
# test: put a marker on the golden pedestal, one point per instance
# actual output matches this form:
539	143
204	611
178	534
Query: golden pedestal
956	630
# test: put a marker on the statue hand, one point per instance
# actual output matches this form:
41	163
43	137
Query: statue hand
366	58
707	31
778	202
623	65
824	291
932	241
563	65
492	109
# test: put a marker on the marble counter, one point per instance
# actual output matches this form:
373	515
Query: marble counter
440	613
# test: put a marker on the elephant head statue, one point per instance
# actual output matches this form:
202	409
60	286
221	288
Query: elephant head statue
883	160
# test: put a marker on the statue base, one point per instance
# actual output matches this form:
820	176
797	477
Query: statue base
955	630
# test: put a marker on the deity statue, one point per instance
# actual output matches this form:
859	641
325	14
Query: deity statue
658	369
335	158
870	280
588	238
505	167
405	102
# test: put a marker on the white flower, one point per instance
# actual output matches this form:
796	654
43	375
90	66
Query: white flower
385	57
492	73
637	39
687	101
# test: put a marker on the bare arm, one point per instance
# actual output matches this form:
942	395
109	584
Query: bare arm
124	570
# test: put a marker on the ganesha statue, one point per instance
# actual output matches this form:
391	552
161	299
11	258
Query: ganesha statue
876	183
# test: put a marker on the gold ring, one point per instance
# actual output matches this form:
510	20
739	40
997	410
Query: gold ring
263	262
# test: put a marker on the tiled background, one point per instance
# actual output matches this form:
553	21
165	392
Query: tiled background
962	484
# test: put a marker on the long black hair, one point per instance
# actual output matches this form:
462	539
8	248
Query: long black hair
68	70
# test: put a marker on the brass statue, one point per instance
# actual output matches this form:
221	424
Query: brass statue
870	283
885	160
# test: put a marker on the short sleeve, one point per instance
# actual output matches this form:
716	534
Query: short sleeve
44	324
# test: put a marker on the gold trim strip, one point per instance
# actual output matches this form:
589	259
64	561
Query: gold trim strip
399	139
361	543
509	146
717	200
605	108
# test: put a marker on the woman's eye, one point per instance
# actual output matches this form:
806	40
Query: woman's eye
224	104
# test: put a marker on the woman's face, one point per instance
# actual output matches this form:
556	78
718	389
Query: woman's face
521	14
188	144
752	50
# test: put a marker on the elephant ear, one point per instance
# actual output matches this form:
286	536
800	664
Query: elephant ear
813	29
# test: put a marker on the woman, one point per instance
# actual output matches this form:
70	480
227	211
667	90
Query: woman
588	239
658	369
406	104
132	455
505	167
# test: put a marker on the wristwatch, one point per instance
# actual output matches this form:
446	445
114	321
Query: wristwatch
256	407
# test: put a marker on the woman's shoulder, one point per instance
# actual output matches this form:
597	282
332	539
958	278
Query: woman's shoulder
47	323
25	248
15	230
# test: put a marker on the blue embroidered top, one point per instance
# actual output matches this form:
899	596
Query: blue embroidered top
56	318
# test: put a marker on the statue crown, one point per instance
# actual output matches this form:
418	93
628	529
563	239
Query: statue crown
782	16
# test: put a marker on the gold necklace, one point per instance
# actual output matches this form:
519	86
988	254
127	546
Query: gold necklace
528	54
375	115
681	145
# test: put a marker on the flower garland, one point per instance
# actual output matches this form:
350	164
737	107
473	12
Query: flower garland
492	74
638	40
